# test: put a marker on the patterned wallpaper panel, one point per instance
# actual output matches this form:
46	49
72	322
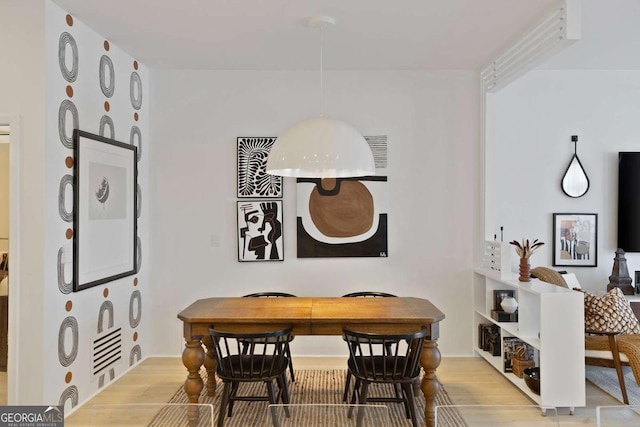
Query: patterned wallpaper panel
93	86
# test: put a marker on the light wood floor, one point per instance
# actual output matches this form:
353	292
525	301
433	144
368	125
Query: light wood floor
469	381
3	388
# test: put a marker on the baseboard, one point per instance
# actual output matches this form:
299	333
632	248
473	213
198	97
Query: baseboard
319	362
100	390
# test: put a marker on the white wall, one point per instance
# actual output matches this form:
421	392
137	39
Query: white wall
431	119
22	25
531	123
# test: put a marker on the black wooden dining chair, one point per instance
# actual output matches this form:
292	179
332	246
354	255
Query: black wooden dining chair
269	295
277	295
369	294
364	294
252	357
385	358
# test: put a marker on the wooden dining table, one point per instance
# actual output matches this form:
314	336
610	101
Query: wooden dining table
307	316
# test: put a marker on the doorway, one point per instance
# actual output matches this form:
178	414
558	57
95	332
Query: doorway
10	126
5	140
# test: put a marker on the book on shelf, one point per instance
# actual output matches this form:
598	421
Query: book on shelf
489	338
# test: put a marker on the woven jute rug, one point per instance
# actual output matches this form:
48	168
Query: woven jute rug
322	391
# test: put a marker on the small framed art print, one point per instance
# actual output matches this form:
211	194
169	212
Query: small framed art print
260	230
253	179
575	239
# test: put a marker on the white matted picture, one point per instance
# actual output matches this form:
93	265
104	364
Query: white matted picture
575	239
260	230
104	210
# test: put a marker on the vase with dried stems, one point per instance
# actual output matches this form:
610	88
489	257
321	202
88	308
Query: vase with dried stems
524	250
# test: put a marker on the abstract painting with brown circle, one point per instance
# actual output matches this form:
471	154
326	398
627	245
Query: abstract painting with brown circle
344	217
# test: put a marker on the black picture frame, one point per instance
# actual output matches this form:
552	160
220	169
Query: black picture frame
105	210
253	179
260	230
575	240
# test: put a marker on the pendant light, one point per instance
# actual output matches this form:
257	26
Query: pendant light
321	147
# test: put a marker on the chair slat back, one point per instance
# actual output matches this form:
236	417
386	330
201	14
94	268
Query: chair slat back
251	356
369	294
385	357
269	295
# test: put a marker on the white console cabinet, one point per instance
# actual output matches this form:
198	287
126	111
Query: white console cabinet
551	320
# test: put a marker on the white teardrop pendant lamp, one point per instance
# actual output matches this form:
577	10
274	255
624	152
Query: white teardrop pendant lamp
321	147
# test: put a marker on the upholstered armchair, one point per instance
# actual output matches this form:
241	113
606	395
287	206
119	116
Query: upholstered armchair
612	331
613	335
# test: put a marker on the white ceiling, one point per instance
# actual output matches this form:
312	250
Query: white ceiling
369	34
270	34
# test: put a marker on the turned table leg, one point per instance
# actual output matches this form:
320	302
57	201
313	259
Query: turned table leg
192	358
210	365
430	360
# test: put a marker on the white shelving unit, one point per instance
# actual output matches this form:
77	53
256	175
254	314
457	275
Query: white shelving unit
551	319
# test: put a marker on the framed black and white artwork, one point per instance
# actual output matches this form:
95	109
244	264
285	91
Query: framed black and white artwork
104	210
260	230
253	180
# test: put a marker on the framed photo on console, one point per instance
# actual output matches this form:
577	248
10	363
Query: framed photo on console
575	239
104	210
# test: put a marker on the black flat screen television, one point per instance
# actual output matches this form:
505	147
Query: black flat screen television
629	201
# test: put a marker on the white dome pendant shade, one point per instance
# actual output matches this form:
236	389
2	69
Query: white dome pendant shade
321	147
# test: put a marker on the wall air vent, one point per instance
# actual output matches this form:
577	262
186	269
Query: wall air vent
557	28
106	351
